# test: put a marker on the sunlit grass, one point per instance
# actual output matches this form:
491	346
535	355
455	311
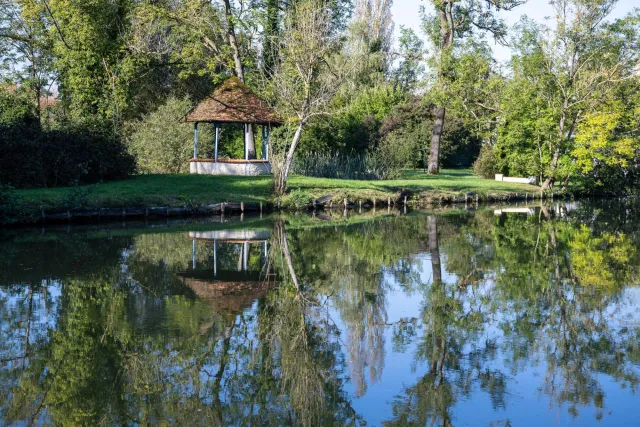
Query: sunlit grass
176	190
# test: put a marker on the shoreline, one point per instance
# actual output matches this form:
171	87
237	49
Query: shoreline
403	200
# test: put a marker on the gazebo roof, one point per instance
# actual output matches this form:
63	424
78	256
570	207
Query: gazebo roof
233	102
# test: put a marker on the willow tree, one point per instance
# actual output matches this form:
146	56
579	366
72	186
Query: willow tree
456	19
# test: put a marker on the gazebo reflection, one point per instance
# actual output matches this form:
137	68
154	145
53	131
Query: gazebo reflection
230	288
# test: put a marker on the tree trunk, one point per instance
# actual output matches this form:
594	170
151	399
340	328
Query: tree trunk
556	154
548	183
434	249
447	30
436	137
281	180
239	71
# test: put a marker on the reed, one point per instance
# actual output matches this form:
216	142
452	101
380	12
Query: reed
365	166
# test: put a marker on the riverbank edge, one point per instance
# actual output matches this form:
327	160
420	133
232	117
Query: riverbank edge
292	202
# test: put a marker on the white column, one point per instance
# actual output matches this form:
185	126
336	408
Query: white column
246	256
194	254
246	135
217	141
195	140
215	258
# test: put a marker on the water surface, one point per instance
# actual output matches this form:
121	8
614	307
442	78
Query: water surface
513	317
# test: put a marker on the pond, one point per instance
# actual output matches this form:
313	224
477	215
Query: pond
503	317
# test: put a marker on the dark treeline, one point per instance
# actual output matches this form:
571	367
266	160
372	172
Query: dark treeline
356	102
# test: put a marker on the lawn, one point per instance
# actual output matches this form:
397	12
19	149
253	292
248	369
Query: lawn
176	190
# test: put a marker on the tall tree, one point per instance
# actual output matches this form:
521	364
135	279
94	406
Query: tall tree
238	70
586	58
307	76
457	19
25	48
271	33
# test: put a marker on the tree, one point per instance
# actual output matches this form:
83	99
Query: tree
457	19
307	76
25	48
586	59
410	69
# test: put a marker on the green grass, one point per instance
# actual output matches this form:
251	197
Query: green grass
176	190
449	182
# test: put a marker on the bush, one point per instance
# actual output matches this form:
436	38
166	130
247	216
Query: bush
486	166
16	108
8	205
30	157
161	144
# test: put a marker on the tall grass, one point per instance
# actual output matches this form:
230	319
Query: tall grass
364	166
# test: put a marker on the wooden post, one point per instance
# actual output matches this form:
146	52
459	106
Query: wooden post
195	140
217	142
346	203
242	207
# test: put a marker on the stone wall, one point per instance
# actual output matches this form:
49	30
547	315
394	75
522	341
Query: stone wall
529	180
235	168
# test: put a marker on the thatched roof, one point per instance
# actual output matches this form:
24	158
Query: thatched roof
233	102
232	293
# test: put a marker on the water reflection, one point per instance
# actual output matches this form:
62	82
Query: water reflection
472	318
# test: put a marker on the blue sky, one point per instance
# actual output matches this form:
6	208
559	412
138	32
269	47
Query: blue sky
405	12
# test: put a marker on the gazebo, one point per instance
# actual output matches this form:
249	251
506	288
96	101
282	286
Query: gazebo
229	289
232	102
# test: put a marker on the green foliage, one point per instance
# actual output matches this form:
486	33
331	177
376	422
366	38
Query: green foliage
408	128
486	166
356	126
9	203
31	157
411	69
77	198
162	144
16	108
89	45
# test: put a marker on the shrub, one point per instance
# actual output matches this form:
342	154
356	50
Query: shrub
30	157
15	108
486	166
161	144
8	204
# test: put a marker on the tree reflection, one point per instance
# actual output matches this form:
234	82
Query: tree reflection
130	331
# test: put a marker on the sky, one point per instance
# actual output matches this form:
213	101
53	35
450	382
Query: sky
406	12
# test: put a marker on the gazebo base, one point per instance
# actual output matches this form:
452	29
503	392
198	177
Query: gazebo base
230	167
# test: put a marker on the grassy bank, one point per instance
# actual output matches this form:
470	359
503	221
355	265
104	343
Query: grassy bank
194	190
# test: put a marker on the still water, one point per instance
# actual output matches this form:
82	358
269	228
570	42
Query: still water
450	318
